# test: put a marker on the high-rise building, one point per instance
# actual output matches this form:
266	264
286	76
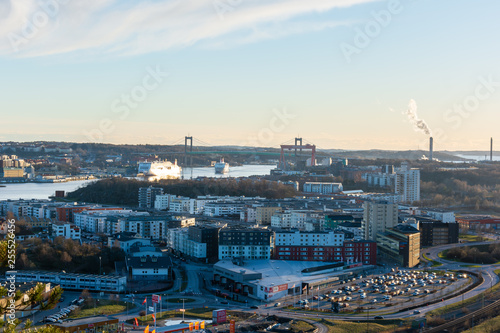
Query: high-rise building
378	216
408	183
147	196
400	245
208	235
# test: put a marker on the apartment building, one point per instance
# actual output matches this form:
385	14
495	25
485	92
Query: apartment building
400	245
322	188
246	243
66	230
407	183
264	214
378	216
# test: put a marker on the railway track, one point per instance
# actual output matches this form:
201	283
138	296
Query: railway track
462	320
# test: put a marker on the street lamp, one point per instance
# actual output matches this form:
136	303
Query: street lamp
100	265
183	309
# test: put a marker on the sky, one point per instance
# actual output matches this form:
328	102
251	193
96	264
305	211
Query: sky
342	74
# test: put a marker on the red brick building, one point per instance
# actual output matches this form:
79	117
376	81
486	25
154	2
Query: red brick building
66	213
364	251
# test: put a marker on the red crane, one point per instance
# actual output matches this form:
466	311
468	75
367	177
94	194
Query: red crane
295	147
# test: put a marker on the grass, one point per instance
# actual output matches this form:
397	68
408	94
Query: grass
471	266
340	326
473	238
200	313
490	325
184	282
468	301
103	307
434	263
299	325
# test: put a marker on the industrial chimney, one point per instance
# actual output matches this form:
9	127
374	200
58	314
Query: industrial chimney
431	148
491	149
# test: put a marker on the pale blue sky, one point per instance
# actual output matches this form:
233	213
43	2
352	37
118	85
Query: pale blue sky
230	73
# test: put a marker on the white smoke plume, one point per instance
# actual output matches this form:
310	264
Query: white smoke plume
419	125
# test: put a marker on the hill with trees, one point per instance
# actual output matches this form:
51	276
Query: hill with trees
122	191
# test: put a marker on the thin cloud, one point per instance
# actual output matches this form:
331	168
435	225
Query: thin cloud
117	27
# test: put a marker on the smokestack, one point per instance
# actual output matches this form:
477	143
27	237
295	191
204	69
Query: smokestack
491	149
431	148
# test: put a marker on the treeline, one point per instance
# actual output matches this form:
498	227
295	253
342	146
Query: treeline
66	254
475	189
484	254
122	191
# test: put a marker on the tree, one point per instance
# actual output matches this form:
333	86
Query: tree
36	294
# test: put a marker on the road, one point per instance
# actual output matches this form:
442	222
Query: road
196	272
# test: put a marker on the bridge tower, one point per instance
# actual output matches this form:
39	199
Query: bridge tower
186	140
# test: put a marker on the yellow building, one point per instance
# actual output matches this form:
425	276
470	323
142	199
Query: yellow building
264	214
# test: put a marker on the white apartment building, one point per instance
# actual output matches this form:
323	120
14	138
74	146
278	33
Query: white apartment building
323	188
223	208
73	281
381	179
440	215
296	238
408	183
249	214
162	201
282	220
249	252
66	230
305	220
178	240
94	220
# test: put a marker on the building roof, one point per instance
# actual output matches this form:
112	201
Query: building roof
406	229
150	262
350	225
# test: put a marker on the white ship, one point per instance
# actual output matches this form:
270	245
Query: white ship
221	167
159	170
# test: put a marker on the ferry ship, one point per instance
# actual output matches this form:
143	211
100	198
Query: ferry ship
221	167
159	170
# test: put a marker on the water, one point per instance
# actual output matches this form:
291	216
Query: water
480	157
44	190
38	190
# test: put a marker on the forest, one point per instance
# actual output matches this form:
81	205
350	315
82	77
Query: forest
122	191
66	254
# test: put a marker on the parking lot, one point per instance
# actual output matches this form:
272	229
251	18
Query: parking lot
386	292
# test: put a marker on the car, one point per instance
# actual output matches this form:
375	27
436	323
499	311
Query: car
378	317
373	301
224	302
416	312
254	307
277	304
61	299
